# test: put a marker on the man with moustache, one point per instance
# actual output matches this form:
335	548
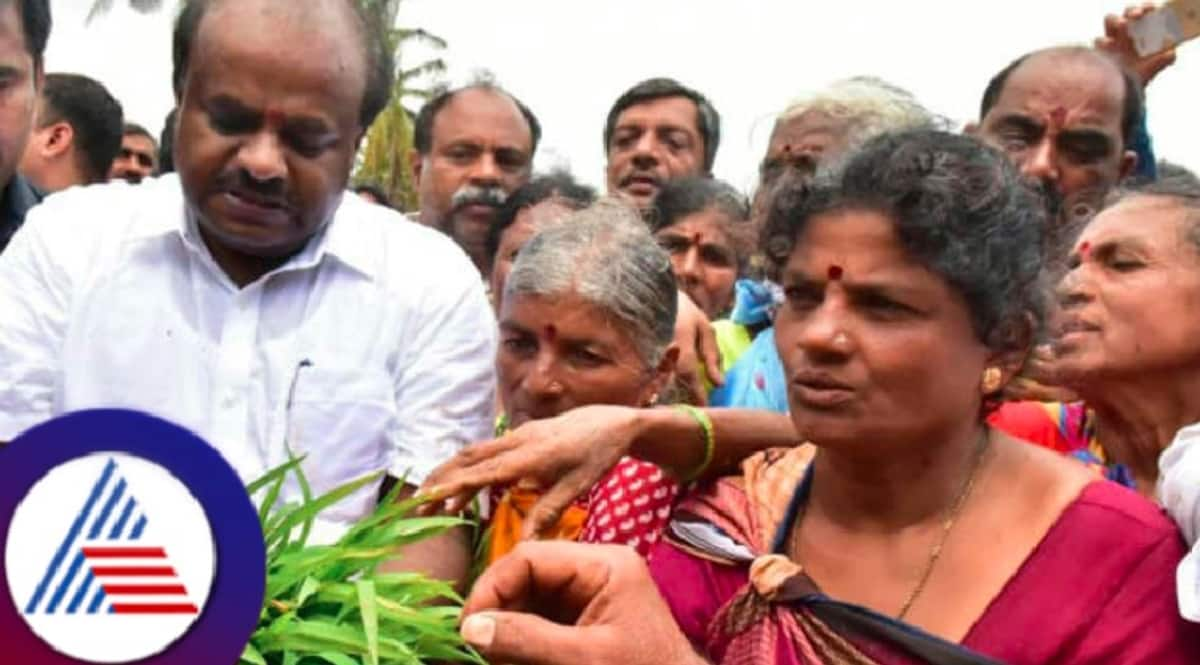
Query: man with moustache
658	130
473	146
249	298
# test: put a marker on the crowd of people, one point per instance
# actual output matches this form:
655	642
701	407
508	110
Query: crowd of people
925	396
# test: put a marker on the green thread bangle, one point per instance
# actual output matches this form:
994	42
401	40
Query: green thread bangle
710	439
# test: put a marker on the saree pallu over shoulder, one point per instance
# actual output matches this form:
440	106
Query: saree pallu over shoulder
779	616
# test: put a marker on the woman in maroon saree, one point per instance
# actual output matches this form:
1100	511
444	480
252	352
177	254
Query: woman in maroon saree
909	532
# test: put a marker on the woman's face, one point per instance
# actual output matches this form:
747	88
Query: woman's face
876	347
704	259
1130	303
526	224
559	353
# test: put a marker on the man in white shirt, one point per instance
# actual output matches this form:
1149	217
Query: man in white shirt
247	298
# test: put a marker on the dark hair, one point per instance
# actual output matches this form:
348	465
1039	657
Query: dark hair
379	59
166	144
1132	106
708	121
959	207
682	197
558	185
375	191
134	129
94	115
35	23
423	126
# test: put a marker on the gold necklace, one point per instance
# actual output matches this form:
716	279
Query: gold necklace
947	525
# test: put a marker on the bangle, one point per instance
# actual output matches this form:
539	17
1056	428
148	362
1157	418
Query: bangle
710	440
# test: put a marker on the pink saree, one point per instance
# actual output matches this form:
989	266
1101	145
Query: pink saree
1099	588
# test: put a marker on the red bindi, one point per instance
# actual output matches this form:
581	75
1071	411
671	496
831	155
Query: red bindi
1085	249
274	117
551	333
835	272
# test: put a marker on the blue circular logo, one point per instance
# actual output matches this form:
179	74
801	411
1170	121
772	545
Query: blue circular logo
126	539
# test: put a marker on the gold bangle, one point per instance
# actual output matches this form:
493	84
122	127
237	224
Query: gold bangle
710	440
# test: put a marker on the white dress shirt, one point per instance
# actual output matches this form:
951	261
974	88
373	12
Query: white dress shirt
1179	492
373	349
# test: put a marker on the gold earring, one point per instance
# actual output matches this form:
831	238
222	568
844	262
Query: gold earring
991	380
653	400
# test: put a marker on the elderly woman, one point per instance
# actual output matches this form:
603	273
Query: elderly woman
587	317
704	224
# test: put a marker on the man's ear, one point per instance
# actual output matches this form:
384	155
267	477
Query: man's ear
58	139
1129	163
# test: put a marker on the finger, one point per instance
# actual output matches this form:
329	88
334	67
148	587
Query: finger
1112	25
710	353
550	507
524	639
573	573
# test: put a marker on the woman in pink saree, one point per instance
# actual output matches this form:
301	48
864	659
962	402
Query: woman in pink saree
909	532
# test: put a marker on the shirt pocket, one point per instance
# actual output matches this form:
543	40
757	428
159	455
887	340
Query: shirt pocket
340	421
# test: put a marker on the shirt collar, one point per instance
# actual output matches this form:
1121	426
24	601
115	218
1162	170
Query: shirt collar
168	214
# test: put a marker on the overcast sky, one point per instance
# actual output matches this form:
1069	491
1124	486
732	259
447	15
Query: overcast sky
568	60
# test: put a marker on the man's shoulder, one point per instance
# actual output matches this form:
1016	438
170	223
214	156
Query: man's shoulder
113	210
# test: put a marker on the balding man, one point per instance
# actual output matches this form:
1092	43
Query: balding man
1067	116
473	147
247	298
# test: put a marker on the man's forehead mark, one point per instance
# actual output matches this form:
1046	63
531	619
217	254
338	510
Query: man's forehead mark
1085	248
551	332
273	116
835	272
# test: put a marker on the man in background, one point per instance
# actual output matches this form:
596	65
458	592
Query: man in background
78	134
24	30
658	130
138	158
473	147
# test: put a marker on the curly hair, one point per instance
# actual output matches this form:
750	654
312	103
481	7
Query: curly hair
960	209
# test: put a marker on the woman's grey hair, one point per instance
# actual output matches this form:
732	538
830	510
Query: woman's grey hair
1179	186
869	106
605	255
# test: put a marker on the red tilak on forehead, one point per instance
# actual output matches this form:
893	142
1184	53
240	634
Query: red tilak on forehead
835	272
551	332
1058	115
274	116
1085	249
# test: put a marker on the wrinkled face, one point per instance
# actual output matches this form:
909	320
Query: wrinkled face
651	143
559	353
269	123
482	150
1130	305
19	84
1059	120
799	145
527	224
875	346
704	258
136	161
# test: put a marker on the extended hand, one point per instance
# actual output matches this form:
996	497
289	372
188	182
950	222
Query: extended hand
559	603
1116	40
565	456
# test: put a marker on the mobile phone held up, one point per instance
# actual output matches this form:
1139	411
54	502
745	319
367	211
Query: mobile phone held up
1166	27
